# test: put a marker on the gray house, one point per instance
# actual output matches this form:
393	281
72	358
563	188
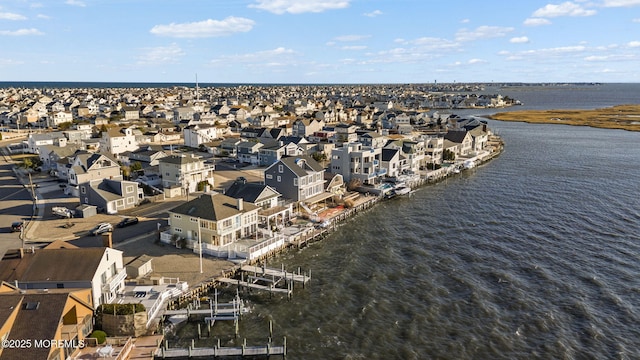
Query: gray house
111	195
299	178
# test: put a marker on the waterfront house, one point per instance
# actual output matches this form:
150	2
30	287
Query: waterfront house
112	195
391	161
99	269
215	220
479	137
271	212
185	171
345	133
461	140
61	316
299	178
359	163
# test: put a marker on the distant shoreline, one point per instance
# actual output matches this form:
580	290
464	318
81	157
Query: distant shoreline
620	117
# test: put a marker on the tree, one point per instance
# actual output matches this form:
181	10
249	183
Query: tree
136	166
448	155
64	126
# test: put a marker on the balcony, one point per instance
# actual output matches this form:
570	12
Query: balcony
112	283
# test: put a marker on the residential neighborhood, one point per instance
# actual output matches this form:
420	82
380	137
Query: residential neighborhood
220	175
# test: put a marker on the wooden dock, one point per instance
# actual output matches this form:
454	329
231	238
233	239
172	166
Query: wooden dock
218	351
275	274
251	285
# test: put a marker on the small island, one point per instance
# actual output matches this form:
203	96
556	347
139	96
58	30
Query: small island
624	117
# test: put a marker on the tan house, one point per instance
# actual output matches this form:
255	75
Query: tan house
84	167
50	325
214	219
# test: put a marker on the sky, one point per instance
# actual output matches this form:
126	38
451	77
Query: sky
320	41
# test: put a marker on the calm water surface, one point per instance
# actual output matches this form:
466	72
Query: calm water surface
534	255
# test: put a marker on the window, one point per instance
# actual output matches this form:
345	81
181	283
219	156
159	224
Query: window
280	169
269	176
193	219
177	216
83	189
278	179
178	230
295	181
129	189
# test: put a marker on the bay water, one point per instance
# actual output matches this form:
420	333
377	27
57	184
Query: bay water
533	255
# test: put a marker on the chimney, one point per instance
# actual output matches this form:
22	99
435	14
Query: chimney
107	241
240	204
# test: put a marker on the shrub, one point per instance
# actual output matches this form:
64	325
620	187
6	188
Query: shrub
99	335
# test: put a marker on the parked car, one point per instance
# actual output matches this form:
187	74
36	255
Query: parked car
127	221
101	228
17	226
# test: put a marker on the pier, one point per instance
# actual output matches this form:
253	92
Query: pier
268	279
219	351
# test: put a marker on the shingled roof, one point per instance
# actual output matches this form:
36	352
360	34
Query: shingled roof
213	207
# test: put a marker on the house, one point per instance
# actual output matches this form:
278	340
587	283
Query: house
434	147
413	151
372	139
298	178
117	141
51	154
273	151
183	113
41	319
391	162
346	133
249	152
147	156
112	195
263	196
34	141
62	117
184	171
215	220
306	127
198	134
479	138
99	269
359	163
84	167
460	141
130	113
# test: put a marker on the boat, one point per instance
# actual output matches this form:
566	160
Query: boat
402	190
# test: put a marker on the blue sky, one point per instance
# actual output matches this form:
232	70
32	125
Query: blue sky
315	41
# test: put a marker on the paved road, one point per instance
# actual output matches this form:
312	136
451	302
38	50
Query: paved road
15	203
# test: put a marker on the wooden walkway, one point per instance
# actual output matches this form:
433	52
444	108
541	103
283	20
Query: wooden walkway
275	274
251	285
217	351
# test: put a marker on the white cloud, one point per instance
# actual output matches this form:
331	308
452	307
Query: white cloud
278	55
299	6
565	9
465	21
43	16
10	62
430	43
633	44
373	13
206	28
621	3
536	22
11	16
21	32
161	55
75	3
636	20
354	47
482	32
519	40
476	61
347	38
36	5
